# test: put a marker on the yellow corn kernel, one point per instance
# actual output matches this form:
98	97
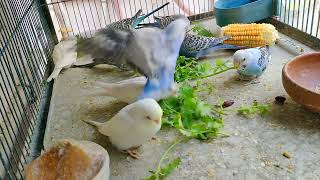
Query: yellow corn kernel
250	35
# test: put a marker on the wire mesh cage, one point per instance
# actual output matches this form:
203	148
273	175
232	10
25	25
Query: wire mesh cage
86	16
25	48
303	15
28	30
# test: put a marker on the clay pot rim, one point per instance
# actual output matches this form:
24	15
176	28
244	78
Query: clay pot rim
289	77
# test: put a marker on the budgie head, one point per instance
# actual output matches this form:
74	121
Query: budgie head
163	22
244	62
147	112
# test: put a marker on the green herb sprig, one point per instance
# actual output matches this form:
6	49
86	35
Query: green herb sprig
193	117
191	69
163	172
254	109
201	31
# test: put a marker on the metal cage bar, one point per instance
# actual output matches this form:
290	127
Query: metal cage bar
302	15
26	44
85	16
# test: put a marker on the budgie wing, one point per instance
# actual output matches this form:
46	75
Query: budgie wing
265	57
196	43
108	46
146	49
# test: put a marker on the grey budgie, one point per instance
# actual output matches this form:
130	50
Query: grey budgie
152	51
129	23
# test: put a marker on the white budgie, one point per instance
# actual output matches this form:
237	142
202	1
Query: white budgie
132	126
64	55
251	63
128	90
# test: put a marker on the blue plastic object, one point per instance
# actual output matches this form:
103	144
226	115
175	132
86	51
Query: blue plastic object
243	11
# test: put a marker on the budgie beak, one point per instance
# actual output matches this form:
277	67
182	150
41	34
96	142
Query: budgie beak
237	65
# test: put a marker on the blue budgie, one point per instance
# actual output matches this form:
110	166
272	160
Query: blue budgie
133	21
251	63
193	45
152	51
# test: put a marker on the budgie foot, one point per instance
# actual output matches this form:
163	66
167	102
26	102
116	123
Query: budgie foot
245	78
133	152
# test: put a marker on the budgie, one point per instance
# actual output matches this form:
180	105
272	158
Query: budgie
129	23
126	90
132	126
251	63
64	56
133	21
194	45
152	51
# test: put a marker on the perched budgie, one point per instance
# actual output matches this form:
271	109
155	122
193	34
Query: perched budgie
126	90
64	56
132	126
133	21
194	45
152	51
252	62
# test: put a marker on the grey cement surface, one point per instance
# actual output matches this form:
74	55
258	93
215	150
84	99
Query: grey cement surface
252	151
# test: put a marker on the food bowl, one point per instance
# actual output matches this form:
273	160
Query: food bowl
71	159
242	11
301	80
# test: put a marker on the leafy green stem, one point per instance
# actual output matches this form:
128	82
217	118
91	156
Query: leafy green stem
216	73
166	153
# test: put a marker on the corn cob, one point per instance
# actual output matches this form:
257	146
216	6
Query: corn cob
250	35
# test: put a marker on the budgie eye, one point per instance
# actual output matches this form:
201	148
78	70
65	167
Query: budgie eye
243	59
148	117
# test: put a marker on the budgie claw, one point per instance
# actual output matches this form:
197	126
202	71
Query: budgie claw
133	152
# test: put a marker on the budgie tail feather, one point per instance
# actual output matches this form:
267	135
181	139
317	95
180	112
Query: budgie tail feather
141	18
54	74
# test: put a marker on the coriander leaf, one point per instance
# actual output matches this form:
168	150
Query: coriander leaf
162	172
165	171
201	31
256	108
193	117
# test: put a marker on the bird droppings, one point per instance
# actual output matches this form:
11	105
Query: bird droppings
287	155
227	103
280	100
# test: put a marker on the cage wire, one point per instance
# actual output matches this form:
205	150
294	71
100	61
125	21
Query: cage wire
301	14
25	48
28	30
86	16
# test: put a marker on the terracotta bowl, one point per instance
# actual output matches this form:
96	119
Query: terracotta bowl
301	80
70	159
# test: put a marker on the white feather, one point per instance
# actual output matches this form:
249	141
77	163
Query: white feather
64	55
127	90
133	125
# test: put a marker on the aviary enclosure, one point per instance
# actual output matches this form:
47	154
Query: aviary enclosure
29	29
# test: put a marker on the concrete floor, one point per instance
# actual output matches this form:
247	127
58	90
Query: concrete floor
252	151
